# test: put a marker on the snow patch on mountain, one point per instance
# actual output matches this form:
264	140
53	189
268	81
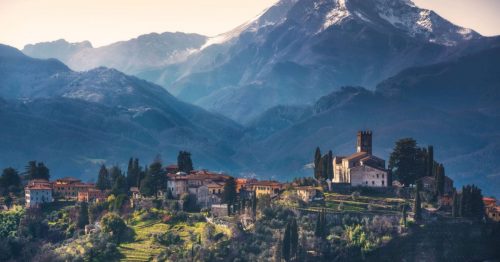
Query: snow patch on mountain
336	15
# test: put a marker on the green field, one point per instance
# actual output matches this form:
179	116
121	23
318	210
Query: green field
143	247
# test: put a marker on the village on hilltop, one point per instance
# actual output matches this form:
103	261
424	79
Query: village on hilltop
175	208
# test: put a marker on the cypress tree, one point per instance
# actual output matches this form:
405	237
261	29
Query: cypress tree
324	167
440	178
131	175
294	238
418	204
254	204
430	160
103	181
330	165
404	215
83	215
230	195
317	163
286	243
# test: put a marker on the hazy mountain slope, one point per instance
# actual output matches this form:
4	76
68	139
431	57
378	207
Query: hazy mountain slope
452	106
70	118
135	55
19	74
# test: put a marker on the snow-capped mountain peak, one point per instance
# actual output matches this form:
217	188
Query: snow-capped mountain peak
404	15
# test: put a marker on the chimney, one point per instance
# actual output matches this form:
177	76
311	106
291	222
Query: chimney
364	142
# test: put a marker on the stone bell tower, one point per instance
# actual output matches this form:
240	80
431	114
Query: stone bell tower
364	142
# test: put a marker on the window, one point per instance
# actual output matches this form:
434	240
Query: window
382	182
377	175
383	176
373	182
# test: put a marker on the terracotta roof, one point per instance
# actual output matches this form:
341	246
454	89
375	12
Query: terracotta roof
266	183
134	189
215	185
38	187
172	166
68	179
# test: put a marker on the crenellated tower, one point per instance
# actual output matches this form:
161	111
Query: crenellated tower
364	142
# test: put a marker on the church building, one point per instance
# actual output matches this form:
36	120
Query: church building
361	168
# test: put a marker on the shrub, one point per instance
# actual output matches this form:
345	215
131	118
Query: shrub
114	224
167	239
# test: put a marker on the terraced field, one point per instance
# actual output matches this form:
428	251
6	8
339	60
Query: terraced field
143	248
339	203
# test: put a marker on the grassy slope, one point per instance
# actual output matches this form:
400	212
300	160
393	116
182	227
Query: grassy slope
143	247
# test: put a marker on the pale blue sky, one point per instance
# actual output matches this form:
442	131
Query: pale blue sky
106	21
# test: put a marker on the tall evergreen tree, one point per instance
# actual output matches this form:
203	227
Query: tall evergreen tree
430	161
133	172
103	181
324	167
155	179
294	238
317	164
321	227
440	179
471	204
42	172
83	215
286	245
330	165
114	172
10	181
229	196
30	170
136	169
404	215
254	204
407	161
120	186
418	204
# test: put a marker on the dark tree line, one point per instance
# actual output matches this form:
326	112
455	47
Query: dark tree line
468	203
409	162
323	165
10	182
36	170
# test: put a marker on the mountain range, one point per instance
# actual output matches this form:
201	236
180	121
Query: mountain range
299	50
75	120
301	74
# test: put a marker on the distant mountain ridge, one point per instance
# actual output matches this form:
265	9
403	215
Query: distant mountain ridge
75	120
135	55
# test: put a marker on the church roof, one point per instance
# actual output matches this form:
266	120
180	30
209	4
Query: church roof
356	156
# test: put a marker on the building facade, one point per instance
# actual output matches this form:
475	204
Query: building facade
92	195
361	168
37	194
